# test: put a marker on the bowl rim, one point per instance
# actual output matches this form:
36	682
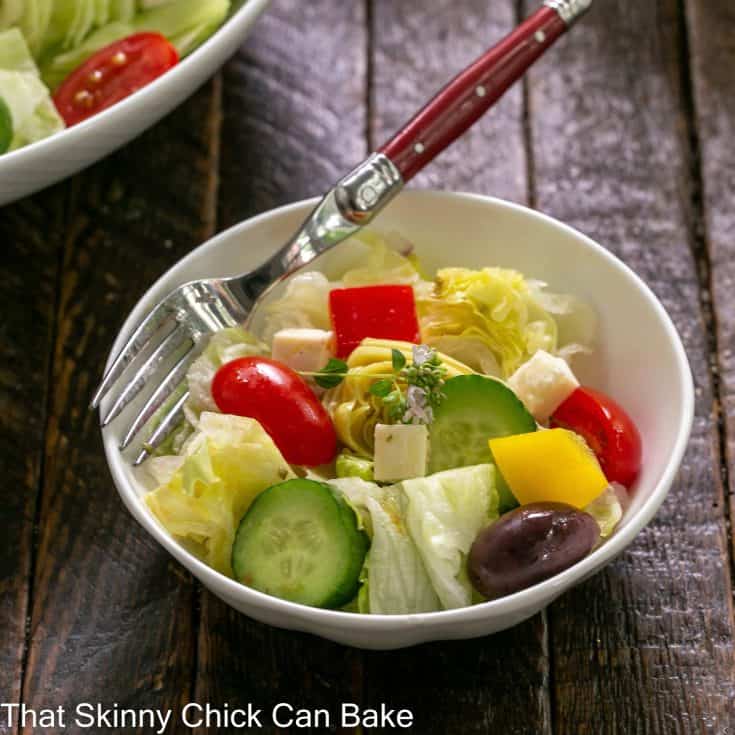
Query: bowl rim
538	594
165	85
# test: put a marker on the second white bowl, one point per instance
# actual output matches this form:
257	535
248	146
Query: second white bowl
49	160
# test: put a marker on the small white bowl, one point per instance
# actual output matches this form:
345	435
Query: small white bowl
49	160
639	360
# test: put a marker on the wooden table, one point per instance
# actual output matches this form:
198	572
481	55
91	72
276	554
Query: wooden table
625	131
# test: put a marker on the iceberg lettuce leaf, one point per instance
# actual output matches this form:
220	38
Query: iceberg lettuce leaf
367	259
444	514
304	304
495	317
32	113
223	466
607	509
185	23
397	581
350	465
57	67
381	264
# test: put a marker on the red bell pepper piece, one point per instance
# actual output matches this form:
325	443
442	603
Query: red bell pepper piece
382	312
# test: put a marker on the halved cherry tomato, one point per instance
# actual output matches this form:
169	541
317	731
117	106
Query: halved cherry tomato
383	312
113	73
607	428
283	404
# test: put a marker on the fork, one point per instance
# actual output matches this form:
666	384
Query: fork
176	326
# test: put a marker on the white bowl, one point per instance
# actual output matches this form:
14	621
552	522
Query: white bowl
49	160
640	361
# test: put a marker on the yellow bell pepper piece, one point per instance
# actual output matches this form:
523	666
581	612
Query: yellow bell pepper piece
552	465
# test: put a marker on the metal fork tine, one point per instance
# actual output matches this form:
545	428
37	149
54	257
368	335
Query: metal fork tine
171	342
137	341
169	422
159	397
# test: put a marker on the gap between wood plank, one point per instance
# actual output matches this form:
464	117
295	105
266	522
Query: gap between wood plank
499	681
311	131
699	239
546	613
527	126
212	211
625	672
35	528
369	76
96	202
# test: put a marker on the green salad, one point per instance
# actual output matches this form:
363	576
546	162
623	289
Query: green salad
62	61
388	443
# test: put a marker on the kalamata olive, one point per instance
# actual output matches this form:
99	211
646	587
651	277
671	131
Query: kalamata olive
529	544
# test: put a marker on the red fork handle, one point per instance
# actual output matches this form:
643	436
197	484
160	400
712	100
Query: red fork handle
472	93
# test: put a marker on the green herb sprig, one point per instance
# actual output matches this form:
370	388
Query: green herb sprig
423	377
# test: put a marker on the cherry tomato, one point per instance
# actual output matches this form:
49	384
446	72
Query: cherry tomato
607	428
283	404
383	312
113	73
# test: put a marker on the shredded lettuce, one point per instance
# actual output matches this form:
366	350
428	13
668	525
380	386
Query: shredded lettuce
607	509
204	493
445	512
58	66
27	100
495	318
11	12
185	23
62	34
396	581
382	264
350	465
492	320
15	54
305	302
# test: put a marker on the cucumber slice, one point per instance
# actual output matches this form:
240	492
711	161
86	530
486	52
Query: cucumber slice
476	408
300	541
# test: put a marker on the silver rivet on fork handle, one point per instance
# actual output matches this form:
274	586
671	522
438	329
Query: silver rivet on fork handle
569	10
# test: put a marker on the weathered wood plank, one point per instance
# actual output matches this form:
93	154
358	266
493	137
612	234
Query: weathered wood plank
417	48
294	107
28	290
112	614
712	47
646	646
496	684
287	134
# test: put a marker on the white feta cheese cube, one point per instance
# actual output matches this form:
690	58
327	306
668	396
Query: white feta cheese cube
543	384
401	451
305	350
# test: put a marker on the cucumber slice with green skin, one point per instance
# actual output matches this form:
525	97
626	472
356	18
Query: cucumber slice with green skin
300	541
476	408
6	126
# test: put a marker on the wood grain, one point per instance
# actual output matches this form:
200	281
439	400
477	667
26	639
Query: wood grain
112	614
28	292
620	148
293	123
417	49
712	60
646	646
294	107
499	683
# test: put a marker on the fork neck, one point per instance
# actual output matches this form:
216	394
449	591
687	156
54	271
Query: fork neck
353	203
350	205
